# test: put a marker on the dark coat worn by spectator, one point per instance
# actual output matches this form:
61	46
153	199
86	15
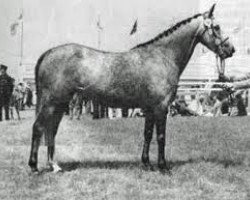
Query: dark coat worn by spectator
6	89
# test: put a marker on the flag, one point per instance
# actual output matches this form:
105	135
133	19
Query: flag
236	30
248	50
20	16
98	24
134	29
14	25
13	28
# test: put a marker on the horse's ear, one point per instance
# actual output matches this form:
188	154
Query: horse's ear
211	11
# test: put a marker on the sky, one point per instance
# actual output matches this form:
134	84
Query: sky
48	23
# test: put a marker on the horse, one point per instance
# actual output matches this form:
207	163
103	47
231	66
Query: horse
145	76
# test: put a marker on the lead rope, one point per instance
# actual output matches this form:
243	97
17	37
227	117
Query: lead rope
221	71
220	63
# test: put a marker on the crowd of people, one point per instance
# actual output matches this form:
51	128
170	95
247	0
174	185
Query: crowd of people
215	104
13	97
209	105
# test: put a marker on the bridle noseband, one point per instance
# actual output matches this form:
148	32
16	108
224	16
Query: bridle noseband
219	42
217	37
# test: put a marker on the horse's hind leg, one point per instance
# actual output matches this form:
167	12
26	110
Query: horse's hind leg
56	118
47	122
39	127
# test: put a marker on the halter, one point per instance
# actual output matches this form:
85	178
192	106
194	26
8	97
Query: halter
210	27
208	23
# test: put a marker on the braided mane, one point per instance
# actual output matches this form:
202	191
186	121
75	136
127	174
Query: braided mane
169	31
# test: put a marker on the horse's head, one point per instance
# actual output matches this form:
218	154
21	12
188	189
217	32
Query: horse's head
210	35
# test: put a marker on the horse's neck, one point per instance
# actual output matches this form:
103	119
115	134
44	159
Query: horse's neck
179	46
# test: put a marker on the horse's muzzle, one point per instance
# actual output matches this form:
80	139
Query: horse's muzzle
226	52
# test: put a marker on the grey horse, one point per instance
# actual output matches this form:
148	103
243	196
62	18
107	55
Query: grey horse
146	76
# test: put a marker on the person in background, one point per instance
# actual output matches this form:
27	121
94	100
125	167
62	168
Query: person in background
181	107
76	105
196	104
193	105
201	108
238	83
216	109
29	96
6	89
214	106
14	103
240	105
225	107
21	88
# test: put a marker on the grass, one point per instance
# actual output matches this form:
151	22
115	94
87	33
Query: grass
101	160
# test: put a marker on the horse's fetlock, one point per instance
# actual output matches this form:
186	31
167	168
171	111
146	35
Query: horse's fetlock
161	139
145	159
148	138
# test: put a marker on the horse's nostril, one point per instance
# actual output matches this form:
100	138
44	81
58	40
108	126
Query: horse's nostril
233	50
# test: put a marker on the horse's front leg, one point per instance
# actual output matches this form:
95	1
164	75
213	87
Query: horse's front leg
148	133
160	121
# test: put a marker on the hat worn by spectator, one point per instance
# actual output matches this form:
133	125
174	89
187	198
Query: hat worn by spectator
4	67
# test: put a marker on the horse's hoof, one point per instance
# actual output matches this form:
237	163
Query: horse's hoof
34	171
165	172
148	167
164	165
33	167
164	168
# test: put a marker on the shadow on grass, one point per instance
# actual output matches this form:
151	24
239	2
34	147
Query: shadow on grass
225	162
70	166
100	164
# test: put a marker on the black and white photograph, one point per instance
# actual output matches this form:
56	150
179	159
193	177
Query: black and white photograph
124	100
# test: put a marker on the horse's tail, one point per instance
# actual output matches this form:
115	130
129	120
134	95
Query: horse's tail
38	87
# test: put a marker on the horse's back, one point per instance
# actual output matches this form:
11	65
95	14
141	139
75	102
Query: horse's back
115	78
69	66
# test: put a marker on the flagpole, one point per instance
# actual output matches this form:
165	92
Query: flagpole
21	45
21	71
99	29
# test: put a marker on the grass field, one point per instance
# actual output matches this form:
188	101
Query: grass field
101	160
